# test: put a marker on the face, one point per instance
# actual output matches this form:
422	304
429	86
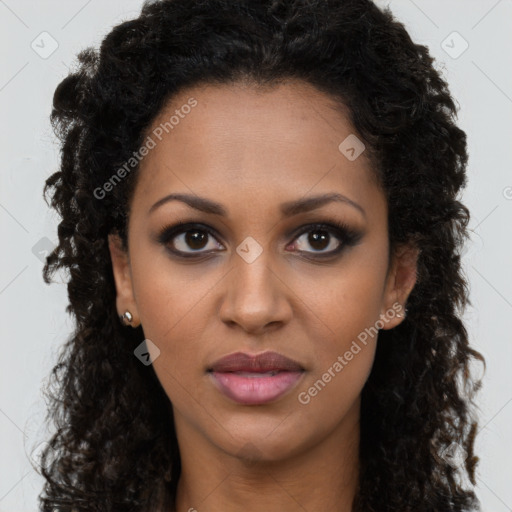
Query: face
259	265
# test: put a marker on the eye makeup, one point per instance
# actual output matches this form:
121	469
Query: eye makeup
346	235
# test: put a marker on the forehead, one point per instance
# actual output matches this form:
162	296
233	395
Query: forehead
238	138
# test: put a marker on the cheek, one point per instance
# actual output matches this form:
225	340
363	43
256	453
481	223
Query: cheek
344	301
348	304
169	297
172	304
331	395
174	321
343	361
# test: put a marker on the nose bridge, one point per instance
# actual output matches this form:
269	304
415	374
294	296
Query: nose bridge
254	267
254	297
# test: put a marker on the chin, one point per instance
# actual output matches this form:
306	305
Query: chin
262	444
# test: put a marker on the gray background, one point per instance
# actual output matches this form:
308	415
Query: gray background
34	323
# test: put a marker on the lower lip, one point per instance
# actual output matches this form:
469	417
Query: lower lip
255	390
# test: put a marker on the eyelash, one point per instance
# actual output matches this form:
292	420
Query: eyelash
345	234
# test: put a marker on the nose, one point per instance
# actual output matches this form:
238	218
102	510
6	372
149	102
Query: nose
257	299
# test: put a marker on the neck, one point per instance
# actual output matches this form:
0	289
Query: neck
319	477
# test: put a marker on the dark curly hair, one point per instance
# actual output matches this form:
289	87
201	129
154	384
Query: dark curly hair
114	446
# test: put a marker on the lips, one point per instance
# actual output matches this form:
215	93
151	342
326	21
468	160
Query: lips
255	379
260	363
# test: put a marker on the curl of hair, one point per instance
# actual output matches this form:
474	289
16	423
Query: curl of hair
115	448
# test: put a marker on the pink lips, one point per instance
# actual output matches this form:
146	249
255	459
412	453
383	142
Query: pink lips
253	380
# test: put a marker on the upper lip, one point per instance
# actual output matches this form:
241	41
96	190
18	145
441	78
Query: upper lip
265	362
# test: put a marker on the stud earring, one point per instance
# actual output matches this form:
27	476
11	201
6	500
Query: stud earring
402	315
126	318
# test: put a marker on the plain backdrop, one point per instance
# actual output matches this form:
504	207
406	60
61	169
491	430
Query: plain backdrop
471	41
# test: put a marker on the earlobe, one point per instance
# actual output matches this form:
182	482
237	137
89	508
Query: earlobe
125	301
400	283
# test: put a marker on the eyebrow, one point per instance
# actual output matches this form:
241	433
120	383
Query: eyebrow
290	208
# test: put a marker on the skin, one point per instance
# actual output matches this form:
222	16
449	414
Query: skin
251	150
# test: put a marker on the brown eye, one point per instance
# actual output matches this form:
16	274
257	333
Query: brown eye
186	239
192	240
195	239
326	239
320	240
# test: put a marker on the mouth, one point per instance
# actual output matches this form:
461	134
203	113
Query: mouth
255	379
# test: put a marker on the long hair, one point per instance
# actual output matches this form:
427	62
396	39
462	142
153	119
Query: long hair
114	446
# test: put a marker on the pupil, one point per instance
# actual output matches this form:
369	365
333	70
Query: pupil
195	239
315	238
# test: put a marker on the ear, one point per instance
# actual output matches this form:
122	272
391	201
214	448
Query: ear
400	281
125	300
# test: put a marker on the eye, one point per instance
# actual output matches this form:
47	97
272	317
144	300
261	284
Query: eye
326	239
189	240
319	239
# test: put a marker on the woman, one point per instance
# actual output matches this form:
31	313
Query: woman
261	224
